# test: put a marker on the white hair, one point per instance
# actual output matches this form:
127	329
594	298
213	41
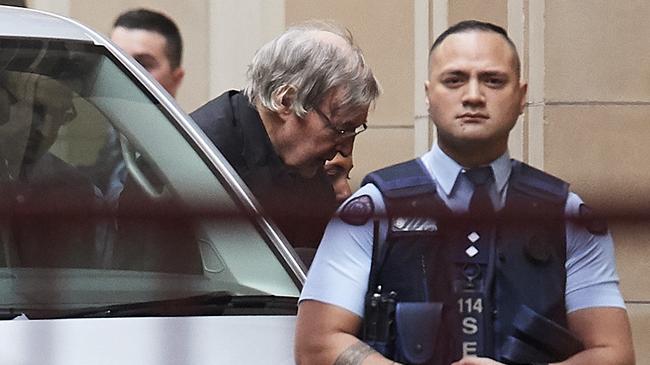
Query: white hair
302	61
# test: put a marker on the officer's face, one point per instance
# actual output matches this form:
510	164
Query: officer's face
306	143
474	93
148	48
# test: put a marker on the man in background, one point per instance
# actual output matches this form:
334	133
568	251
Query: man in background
35	184
152	39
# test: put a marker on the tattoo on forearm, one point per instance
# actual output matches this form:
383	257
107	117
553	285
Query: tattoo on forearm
355	354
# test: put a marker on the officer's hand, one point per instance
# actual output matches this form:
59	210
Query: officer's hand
473	360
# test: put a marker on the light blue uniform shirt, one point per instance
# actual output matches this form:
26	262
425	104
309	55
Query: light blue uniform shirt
339	272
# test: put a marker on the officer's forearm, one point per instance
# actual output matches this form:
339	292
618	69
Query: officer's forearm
606	334
601	356
328	349
325	336
361	354
325	348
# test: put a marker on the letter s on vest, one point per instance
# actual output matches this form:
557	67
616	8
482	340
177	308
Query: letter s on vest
470	325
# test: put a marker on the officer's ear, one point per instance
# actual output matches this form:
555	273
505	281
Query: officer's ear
523	94
426	93
283	99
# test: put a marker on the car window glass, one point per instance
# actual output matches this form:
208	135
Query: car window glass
103	199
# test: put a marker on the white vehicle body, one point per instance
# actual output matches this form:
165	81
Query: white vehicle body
234	304
167	340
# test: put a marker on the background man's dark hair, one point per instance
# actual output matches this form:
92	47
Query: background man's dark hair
155	22
475	25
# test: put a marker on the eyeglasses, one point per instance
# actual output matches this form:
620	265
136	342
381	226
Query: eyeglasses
341	133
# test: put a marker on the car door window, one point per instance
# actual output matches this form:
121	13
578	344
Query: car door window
103	198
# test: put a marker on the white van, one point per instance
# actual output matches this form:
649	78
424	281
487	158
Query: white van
176	266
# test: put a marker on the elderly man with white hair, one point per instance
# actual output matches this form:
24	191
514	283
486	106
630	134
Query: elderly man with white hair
308	95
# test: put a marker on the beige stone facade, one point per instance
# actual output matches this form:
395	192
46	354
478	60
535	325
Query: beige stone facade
587	62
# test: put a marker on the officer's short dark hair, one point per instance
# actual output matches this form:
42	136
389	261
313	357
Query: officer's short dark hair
479	26
155	22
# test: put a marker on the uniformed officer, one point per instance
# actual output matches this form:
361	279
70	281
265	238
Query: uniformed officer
465	256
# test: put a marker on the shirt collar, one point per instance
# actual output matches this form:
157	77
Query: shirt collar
445	170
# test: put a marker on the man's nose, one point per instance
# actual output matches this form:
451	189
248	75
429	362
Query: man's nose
345	147
473	93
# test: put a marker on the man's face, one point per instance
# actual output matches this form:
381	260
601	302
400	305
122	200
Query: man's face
148	48
338	172
304	144
474	93
31	123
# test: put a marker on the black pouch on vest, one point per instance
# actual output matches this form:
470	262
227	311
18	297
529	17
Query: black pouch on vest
417	327
538	339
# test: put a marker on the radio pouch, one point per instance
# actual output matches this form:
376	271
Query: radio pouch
417	326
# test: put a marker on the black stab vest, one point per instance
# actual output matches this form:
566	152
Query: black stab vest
522	280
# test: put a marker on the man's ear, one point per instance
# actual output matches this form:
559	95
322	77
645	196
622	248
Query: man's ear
426	93
523	89
176	78
178	75
284	98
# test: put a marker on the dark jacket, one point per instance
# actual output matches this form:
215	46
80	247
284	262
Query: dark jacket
300	207
50	208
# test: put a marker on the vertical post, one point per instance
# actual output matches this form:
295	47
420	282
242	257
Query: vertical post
536	76
440	17
421	125
516	20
